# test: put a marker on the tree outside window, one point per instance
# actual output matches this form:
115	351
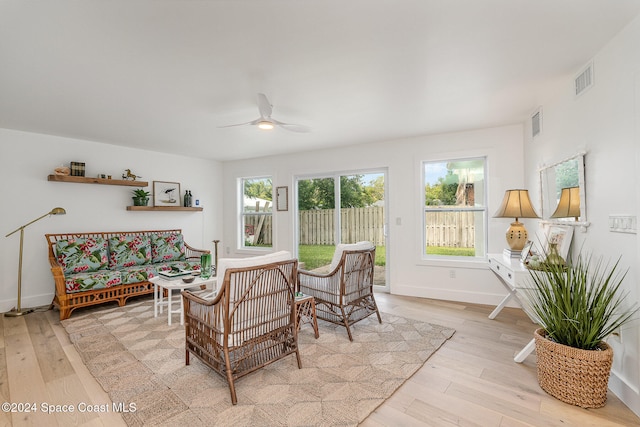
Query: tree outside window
257	211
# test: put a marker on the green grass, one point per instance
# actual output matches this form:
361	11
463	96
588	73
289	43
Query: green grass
442	250
315	256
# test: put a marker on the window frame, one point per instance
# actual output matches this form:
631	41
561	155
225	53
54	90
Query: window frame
483	208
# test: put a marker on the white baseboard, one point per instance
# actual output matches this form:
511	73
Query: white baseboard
627	393
28	302
452	295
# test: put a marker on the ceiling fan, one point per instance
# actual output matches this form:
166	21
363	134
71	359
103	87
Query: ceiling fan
266	122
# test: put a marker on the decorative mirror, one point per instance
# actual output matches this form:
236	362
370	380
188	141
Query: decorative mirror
566	174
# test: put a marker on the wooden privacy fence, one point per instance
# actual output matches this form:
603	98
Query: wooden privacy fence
317	227
450	229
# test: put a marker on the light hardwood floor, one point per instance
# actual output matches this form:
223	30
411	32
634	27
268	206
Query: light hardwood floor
470	381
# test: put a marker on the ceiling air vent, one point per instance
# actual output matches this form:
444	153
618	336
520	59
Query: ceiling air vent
536	123
584	80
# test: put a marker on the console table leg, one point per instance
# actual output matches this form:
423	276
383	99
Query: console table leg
525	351
502	304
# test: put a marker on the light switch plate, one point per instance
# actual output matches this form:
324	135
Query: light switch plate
623	223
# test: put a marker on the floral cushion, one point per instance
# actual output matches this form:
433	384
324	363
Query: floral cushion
128	250
167	247
94	280
137	274
82	254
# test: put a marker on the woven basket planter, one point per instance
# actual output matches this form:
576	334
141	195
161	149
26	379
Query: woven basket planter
572	375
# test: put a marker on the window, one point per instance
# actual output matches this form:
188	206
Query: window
257	209
455	209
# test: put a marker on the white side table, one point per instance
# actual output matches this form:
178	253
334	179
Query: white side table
513	275
160	283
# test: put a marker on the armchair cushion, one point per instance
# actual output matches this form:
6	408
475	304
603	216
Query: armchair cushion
128	250
82	254
337	255
225	263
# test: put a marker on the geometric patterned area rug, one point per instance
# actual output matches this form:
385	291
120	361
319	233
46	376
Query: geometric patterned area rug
139	360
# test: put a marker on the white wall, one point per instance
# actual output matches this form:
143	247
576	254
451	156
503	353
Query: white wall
409	275
604	121
27	160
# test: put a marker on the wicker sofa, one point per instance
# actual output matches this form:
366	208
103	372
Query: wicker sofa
96	267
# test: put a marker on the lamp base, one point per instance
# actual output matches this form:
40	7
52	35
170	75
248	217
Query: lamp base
510	253
18	313
516	236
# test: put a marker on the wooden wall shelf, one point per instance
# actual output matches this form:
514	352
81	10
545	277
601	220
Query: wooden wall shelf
163	208
87	180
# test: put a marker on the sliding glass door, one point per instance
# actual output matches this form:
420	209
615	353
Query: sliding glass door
360	197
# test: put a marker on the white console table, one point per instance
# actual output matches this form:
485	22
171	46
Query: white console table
512	274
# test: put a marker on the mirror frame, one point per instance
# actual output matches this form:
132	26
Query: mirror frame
548	201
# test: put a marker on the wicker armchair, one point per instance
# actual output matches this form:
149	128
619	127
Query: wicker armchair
250	322
344	296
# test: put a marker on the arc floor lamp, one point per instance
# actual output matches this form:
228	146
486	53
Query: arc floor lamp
18	310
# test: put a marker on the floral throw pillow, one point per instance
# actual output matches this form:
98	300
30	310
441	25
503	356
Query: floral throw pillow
127	250
82	254
167	247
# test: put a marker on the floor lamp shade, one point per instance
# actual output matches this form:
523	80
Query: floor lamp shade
516	204
569	204
18	310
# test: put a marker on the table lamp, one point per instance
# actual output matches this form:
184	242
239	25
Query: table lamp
516	204
569	204
18	310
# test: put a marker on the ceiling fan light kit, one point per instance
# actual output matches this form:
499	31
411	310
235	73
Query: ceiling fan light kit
265	125
265	122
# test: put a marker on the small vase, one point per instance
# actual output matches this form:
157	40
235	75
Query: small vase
553	257
205	266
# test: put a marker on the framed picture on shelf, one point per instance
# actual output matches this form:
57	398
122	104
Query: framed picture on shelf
560	235
526	252
166	193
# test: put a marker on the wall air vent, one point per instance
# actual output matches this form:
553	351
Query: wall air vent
536	123
584	80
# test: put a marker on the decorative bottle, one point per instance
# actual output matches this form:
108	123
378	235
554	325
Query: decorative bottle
205	266
553	257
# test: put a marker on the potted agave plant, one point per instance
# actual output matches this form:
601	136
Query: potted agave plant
140	197
577	305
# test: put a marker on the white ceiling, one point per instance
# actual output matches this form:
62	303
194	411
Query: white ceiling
163	75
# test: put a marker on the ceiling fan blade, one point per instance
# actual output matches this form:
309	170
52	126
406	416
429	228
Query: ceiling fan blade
292	127
264	106
253	122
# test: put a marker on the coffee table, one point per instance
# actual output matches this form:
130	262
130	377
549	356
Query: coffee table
171	284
